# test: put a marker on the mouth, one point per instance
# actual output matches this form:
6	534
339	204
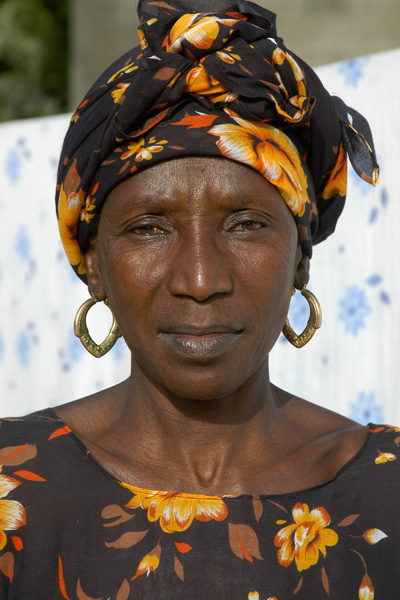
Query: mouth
198	342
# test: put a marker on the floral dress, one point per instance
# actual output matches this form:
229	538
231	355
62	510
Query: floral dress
69	530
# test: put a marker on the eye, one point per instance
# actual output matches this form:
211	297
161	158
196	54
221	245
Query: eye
248	225
147	230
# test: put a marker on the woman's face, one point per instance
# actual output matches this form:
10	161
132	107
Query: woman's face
198	258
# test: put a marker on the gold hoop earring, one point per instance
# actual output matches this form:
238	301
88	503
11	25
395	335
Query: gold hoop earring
82	332
314	321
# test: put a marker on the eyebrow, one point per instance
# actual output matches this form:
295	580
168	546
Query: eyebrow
154	204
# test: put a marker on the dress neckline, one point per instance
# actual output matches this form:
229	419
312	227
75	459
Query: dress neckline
151	492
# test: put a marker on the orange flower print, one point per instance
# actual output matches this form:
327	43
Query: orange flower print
373	536
384	457
76	114
303	540
125	69
141	152
269	151
142	38
12	513
200	32
198	81
256	596
149	562
176	512
366	591
227	55
69	211
278	56
119	91
337	183
85	216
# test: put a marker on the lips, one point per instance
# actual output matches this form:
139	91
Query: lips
201	342
202	329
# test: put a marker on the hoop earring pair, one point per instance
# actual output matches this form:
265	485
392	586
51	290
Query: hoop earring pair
99	350
82	332
314	321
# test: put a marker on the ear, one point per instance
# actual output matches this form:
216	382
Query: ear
93	273
302	275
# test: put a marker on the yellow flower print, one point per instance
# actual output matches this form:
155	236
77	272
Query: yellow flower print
253	596
373	536
141	152
228	56
337	183
366	591
384	457
201	33
119	91
69	210
176	512
85	216
278	56
126	69
76	114
142	40
12	513
306	538
198	81
149	562
269	151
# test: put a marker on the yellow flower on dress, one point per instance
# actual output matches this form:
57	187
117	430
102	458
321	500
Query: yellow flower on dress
253	596
12	513
69	211
149	562
373	536
366	591
176	512
306	538
143	153
269	151
384	457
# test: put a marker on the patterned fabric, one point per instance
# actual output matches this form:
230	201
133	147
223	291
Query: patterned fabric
69	530
212	84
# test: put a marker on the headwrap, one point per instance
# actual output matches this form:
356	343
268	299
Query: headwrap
218	82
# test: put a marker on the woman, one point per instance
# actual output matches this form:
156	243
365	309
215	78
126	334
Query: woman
194	179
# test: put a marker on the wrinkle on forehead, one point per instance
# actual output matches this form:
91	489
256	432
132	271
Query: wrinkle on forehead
191	178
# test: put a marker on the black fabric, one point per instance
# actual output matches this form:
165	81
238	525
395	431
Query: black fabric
86	535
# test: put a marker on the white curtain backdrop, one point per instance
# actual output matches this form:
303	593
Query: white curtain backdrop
352	364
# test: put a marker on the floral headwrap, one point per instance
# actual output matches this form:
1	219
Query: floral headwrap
212	83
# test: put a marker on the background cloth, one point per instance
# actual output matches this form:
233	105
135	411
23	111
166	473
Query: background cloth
351	365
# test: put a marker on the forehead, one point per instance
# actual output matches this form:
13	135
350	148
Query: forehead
216	180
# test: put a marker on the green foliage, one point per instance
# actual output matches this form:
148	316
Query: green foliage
33	58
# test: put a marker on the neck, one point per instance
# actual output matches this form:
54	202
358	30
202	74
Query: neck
204	442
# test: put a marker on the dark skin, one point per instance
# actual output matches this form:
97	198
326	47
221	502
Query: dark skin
198	258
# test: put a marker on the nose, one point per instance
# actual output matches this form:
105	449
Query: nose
200	268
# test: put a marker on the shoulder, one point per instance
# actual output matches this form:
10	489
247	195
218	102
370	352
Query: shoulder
383	444
33	428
